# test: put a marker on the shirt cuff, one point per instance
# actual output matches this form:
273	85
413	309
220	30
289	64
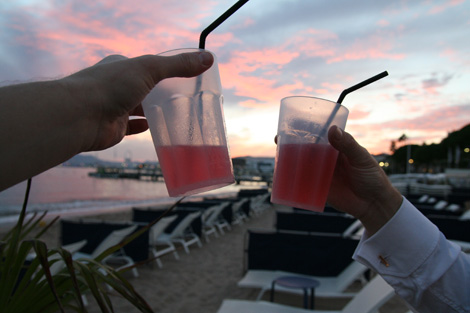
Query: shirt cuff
401	245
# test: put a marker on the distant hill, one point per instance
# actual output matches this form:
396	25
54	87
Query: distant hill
81	160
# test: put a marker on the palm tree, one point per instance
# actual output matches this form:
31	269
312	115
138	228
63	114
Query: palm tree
404	138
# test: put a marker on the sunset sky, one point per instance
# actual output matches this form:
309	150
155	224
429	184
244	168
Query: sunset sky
268	50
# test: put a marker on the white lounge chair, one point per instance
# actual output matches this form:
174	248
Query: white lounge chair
239	217
212	220
259	204
371	297
465	215
155	231
59	264
111	240
56	264
354	231
222	223
181	234
330	287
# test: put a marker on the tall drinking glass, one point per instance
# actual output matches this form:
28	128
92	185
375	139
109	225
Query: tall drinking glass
186	120
305	161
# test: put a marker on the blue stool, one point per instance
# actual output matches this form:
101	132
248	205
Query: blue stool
303	283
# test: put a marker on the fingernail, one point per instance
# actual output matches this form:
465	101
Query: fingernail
205	58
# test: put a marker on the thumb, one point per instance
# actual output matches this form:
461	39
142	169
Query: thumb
347	145
183	65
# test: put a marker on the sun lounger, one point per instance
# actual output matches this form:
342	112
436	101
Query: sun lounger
239	214
114	238
330	287
155	231
72	248
260	203
181	234
371	297
213	220
315	255
73	230
149	214
315	223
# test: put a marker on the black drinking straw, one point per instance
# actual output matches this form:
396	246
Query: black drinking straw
217	22
360	85
344	94
202	45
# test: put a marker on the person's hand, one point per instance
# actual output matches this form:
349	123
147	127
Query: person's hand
45	123
111	91
359	186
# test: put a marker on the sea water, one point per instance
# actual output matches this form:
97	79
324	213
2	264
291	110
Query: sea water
71	191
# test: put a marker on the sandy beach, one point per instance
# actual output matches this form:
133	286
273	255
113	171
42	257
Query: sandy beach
201	280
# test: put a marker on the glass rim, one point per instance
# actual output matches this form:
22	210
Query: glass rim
315	98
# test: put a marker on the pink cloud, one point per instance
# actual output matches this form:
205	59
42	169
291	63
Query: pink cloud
440	8
383	23
313	43
89	30
376	47
322	91
431	127
447	118
238	74
263	90
358	114
456	57
250	61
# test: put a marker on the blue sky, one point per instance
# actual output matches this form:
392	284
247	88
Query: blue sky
266	51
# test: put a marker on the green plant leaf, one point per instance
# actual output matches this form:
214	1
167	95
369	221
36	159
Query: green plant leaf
67	257
101	298
28	284
41	253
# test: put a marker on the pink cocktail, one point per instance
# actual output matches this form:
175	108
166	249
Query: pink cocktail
195	168
303	175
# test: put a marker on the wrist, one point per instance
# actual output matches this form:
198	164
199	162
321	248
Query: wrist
381	210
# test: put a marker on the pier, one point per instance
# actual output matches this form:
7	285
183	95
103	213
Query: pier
153	174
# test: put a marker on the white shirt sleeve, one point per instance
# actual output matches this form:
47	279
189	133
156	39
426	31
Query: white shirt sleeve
413	256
